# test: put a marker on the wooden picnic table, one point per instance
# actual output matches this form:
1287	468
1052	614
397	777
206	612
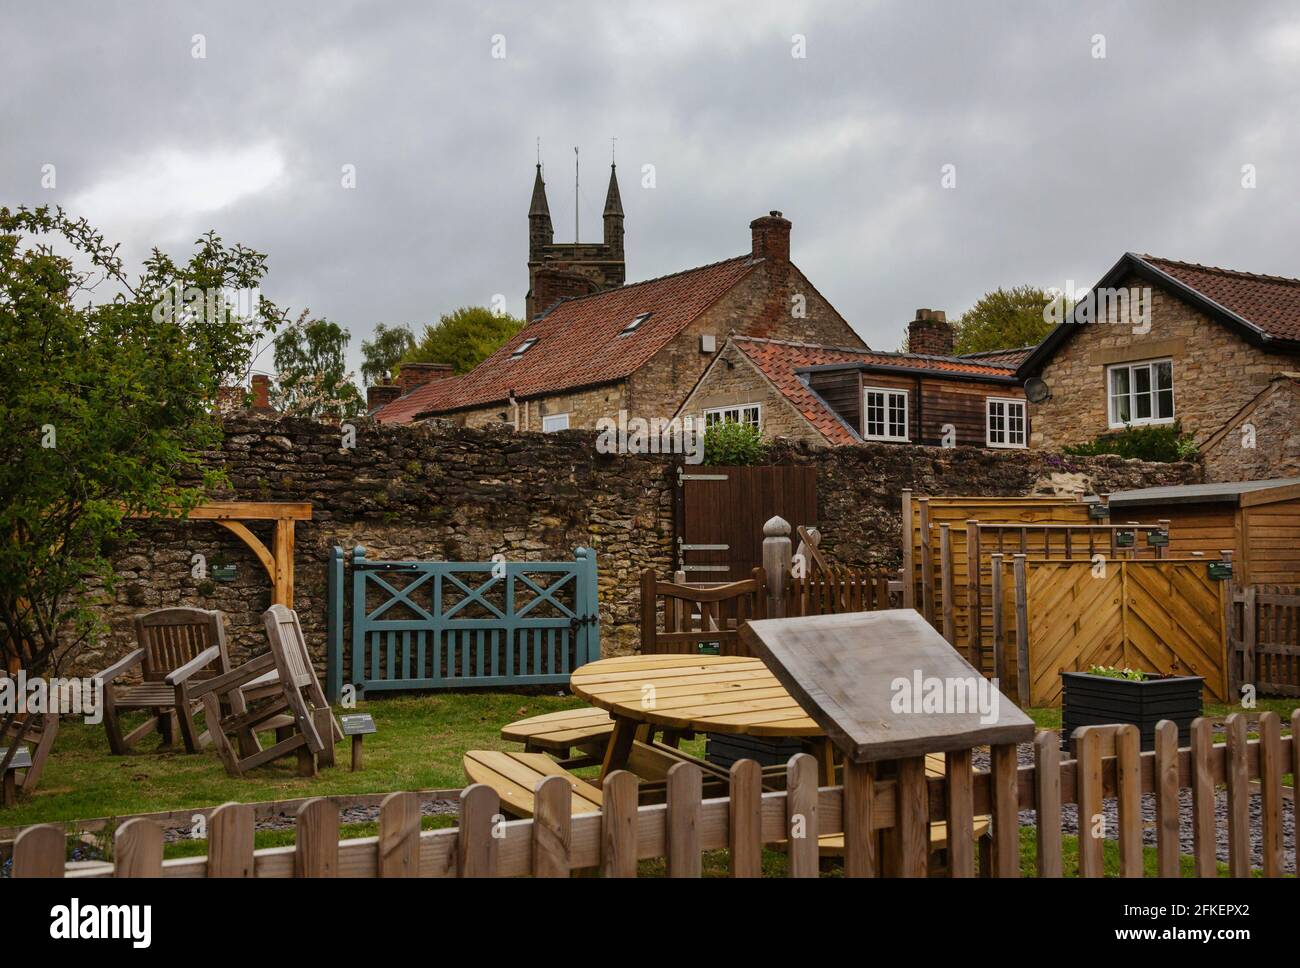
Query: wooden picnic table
694	693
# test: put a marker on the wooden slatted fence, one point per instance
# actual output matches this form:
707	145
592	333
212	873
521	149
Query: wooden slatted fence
883	820
1163	616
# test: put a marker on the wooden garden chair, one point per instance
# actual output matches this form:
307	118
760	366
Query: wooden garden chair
179	648
292	704
21	765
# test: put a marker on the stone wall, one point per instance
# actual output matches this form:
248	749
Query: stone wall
1261	443
454	493
1216	372
859	489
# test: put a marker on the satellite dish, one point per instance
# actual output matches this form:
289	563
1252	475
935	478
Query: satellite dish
1036	391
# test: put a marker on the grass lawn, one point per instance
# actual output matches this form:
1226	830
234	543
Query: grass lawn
419	746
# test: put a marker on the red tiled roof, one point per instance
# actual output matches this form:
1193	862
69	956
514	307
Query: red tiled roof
1271	303
579	342
780	361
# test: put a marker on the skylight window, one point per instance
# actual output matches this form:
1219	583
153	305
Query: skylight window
523	348
635	324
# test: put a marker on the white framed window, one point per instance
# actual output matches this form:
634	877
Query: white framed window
884	414
634	325
746	413
555	421
523	348
1005	422
1140	393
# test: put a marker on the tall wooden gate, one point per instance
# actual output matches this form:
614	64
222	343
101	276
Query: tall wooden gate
720	514
1159	616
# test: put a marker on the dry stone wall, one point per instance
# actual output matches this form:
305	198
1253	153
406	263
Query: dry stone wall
457	493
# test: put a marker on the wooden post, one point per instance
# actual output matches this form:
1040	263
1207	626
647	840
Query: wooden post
974	600
1162	551
777	553
1022	632
945	577
1248	674
909	565
356	752
927	563
995	592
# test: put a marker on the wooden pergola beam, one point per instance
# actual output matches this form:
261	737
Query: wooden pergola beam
278	559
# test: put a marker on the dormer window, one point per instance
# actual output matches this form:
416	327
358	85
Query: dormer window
634	325
523	348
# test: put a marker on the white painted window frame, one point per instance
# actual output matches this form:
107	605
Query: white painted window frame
548	418
1112	422
739	409
988	423
907	414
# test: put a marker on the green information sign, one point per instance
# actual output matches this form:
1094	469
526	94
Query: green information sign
1158	539
1098	511
1219	570
1125	539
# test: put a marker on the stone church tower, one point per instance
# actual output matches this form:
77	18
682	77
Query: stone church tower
560	269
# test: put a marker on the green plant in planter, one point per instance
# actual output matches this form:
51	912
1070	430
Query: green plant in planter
1113	672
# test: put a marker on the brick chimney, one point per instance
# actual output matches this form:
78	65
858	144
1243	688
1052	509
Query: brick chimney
930	333
412	375
771	234
261	391
553	283
381	394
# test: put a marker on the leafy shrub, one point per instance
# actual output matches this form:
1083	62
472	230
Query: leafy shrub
1112	672
734	444
1164	443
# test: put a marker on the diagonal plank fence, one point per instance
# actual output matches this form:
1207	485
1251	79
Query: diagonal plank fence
883	819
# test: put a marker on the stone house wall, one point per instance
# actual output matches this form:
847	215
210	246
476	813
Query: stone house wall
1261	443
742	382
1216	372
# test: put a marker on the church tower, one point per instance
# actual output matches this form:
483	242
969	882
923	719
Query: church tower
565	269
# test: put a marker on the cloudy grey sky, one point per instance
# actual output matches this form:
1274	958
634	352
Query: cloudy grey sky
1063	159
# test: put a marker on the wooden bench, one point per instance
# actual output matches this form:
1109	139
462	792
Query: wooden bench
514	777
586	730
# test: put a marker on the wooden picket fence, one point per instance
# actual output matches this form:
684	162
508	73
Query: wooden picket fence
884	820
1264	639
838	589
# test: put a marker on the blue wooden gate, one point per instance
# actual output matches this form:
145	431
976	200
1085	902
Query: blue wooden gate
451	624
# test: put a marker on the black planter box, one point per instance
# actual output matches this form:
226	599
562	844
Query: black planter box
1090	700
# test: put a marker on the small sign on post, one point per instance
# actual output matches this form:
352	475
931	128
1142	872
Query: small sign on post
357	725
1125	539
9	784
1158	538
1098	512
1219	570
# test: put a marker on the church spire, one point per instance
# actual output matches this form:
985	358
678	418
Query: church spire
539	206
613	201
614	215
540	231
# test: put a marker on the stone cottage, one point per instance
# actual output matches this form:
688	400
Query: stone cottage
592	351
1158	341
831	395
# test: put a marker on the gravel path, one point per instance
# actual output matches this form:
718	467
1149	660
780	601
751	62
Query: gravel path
1110	809
286	821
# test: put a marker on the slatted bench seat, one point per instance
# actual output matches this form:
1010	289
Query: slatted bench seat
514	777
587	730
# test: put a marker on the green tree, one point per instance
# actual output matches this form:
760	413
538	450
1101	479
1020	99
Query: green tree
311	372
464	338
1003	319
107	405
381	355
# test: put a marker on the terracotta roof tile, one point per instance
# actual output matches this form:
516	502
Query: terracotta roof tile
1271	303
578	343
1011	358
781	362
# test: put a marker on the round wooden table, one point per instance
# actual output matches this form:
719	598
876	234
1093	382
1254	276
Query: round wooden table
693	693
